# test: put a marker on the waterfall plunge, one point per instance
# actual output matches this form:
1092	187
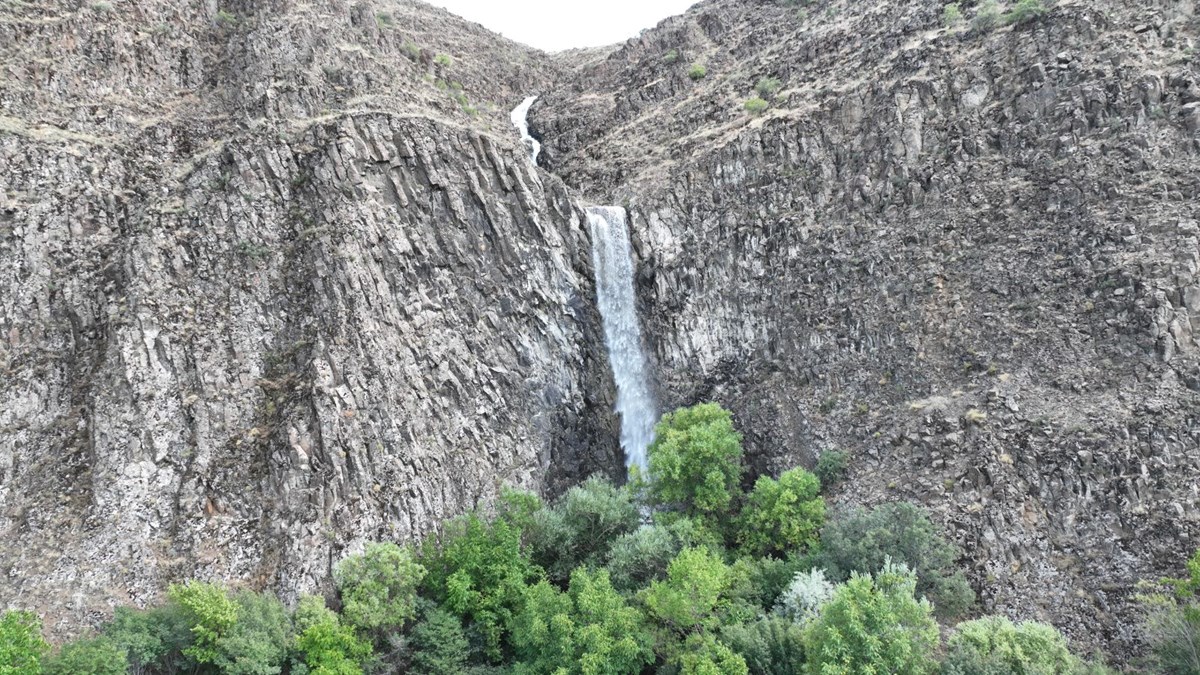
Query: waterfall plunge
612	257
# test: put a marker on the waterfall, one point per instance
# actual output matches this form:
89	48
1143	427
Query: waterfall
612	257
518	117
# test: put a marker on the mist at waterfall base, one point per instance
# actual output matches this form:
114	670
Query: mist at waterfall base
612	257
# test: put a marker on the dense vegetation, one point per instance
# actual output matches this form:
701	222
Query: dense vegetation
683	572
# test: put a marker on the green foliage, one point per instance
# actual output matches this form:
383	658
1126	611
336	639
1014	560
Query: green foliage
324	644
951	15
770	645
443	60
782	515
209	612
21	643
755	105
831	467
873	625
97	656
704	655
1025	11
758	582
995	646
258	643
861	541
987	16
697	72
688	599
480	573
1171	625
439	645
671	57
225	18
767	87
153	638
695	462
378	587
580	527
589	630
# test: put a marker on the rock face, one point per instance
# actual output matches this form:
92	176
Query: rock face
276	278
970	258
269	287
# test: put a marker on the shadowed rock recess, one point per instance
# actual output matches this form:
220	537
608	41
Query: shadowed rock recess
278	277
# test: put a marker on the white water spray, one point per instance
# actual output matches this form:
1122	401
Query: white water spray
518	117
612	257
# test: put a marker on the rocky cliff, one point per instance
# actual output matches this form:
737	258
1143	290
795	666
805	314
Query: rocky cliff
971	258
274	278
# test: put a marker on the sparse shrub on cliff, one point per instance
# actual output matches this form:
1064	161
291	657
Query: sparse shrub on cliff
831	467
755	105
993	645
782	516
873	624
96	656
697	71
767	87
21	643
951	15
226	18
443	60
378	587
1171	624
695	463
671	57
862	541
987	16
1025	11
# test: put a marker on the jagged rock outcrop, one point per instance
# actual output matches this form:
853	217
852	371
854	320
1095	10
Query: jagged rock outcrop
970	258
274	278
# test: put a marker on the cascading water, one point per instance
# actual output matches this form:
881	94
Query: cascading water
519	119
612	257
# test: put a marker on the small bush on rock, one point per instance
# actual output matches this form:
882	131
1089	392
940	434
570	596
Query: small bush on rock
697	72
755	105
767	87
987	16
1025	11
951	15
831	467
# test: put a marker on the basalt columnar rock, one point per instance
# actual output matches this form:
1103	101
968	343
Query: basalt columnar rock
971	258
274	278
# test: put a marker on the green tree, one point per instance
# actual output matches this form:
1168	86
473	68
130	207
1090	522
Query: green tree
588	630
639	557
21	643
704	655
782	515
479	572
258	643
859	540
97	656
378	587
695	463
873	625
211	614
770	645
152	639
694	590
580	527
439	645
993	645
325	645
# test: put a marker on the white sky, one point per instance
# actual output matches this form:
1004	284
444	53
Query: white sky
553	25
